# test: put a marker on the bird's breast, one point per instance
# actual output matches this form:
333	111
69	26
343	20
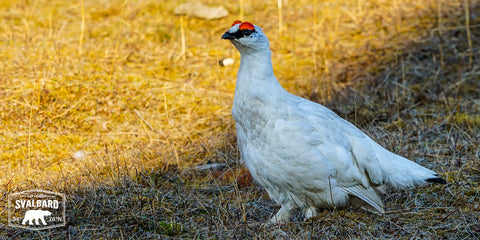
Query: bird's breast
253	116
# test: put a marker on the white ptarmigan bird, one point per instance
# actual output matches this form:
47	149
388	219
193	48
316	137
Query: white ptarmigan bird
302	153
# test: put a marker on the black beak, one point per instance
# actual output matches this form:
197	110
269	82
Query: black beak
228	36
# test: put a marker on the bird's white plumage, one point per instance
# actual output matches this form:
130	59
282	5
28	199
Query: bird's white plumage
305	155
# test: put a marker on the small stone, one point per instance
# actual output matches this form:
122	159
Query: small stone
79	155
226	62
210	167
196	9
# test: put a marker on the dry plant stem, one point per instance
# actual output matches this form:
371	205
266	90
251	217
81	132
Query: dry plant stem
82	28
280	17
184	42
469	37
241	4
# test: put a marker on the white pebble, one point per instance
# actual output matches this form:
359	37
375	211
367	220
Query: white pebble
226	62
80	155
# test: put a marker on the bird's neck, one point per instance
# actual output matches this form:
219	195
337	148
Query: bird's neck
258	62
256	77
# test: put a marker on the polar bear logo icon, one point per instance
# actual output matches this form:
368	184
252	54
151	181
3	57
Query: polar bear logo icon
31	215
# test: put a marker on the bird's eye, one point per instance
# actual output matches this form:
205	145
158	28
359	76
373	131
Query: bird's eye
247	32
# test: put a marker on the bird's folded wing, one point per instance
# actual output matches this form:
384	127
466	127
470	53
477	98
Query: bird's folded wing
368	195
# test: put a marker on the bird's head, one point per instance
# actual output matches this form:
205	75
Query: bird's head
247	37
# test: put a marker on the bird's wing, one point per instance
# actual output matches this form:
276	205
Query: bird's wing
311	159
296	144
357	148
367	194
357	170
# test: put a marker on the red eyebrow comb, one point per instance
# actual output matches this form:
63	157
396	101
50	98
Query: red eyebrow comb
246	25
236	22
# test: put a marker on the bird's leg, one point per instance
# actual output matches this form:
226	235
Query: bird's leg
283	215
310	213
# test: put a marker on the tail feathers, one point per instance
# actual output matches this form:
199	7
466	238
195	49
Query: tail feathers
400	172
367	195
436	180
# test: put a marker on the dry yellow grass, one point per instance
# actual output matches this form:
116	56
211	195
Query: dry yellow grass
112	80
69	87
